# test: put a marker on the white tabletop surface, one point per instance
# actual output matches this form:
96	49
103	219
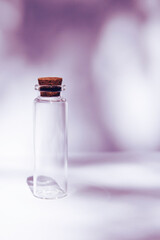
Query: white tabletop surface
112	196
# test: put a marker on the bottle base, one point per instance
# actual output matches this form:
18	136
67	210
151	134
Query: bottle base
47	188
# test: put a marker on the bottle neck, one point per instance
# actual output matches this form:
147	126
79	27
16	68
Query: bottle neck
50	99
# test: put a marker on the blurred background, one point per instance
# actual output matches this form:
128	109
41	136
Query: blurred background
108	53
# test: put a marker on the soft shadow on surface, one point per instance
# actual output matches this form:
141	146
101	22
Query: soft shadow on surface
85	161
105	192
111	158
30	183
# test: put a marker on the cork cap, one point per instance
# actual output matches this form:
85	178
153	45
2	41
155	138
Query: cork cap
49	86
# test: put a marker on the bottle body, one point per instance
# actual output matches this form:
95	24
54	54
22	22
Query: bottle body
50	147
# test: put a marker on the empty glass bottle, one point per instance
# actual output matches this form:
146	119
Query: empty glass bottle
50	140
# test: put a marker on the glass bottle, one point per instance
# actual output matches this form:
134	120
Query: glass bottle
50	140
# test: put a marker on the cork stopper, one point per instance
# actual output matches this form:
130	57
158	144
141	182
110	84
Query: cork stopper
49	86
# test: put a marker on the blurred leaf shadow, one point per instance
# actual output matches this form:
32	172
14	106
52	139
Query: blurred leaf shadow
109	191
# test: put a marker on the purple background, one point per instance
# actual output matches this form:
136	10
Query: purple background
108	53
